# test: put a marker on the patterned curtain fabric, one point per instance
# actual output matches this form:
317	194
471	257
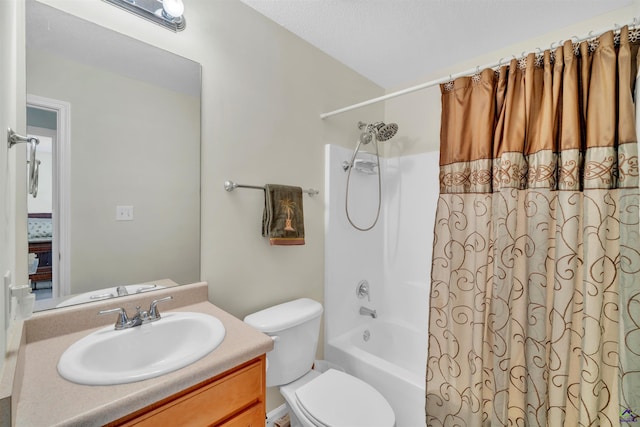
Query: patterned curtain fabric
535	297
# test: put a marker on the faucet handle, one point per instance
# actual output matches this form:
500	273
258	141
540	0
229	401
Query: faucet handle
101	296
362	290
145	288
122	321
154	314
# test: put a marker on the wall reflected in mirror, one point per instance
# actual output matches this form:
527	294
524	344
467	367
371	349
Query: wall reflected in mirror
119	186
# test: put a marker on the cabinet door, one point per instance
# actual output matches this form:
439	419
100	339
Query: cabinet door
252	417
238	393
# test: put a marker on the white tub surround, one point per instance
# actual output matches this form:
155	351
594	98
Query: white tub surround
395	259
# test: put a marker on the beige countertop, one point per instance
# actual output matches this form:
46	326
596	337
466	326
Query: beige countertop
47	399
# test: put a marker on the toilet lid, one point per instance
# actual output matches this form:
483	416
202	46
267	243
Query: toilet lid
336	399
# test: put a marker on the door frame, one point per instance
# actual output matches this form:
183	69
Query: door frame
61	193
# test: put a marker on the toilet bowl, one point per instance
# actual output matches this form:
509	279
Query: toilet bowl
316	399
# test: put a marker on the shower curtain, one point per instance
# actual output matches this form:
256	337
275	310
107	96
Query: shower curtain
535	298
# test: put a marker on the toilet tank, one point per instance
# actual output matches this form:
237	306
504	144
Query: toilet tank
294	327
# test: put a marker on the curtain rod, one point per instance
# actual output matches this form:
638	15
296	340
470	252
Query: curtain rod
471	71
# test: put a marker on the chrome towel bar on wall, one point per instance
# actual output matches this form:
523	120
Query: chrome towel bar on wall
34	164
230	186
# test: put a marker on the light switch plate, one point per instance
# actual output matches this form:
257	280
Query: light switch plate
124	213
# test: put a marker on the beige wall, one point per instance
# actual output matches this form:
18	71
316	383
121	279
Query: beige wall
129	142
418	113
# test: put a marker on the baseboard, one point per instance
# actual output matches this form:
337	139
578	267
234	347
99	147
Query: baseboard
275	415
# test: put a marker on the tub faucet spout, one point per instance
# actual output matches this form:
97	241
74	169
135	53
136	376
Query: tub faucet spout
368	312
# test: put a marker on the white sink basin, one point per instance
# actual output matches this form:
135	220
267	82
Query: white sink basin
107	356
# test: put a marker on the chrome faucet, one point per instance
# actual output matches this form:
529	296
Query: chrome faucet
368	312
140	318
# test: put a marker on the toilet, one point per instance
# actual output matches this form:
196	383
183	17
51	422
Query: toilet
316	399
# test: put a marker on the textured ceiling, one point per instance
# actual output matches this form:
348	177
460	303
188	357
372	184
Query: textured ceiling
396	42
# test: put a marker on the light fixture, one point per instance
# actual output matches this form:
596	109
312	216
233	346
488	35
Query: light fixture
167	13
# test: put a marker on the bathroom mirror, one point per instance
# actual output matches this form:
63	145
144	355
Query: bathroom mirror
124	181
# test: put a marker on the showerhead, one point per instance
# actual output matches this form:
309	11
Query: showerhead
382	131
375	132
385	132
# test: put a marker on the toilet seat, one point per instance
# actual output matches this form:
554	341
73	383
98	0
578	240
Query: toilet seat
337	399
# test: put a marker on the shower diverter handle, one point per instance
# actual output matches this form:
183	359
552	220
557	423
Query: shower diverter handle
362	290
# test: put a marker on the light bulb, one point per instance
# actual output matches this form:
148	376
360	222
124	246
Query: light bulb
173	8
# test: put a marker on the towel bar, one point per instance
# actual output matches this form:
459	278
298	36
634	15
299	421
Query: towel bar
230	186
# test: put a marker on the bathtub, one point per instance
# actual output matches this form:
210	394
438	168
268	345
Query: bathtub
392	358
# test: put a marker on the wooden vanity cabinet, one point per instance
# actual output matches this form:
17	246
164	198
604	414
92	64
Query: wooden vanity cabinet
235	398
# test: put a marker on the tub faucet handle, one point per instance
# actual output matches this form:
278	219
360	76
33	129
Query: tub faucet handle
362	290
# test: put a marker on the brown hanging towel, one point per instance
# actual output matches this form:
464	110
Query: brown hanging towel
283	217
